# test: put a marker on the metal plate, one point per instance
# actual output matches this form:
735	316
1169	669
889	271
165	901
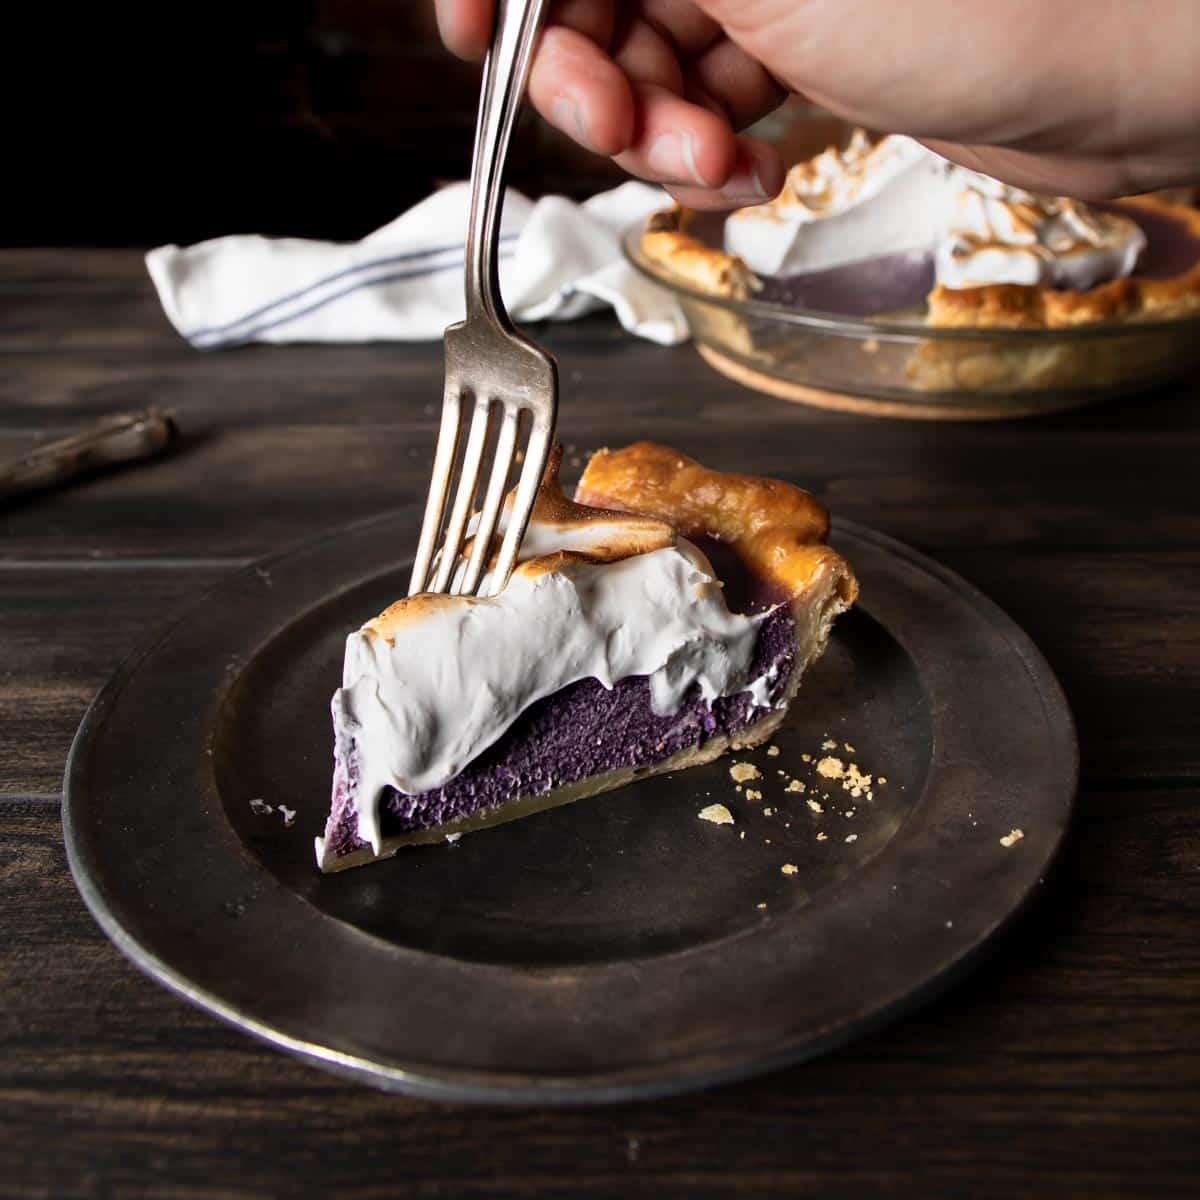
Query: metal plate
612	949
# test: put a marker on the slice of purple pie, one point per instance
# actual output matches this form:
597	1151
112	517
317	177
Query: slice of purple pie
612	654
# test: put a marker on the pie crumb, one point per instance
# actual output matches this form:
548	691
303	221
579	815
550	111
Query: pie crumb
753	794
856	783
1012	838
881	780
772	751
829	744
806	758
742	772
822	837
718	814
851	837
794	786
831	768
815	805
760	906
790	869
767	812
849	749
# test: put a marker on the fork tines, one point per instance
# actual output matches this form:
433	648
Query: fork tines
497	421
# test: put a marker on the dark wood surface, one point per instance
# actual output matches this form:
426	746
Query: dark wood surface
1068	1065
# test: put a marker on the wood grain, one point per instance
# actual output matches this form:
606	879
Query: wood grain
1067	1065
1067	1062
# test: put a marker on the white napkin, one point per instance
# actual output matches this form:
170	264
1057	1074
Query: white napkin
404	282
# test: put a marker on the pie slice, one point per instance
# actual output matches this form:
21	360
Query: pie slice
612	654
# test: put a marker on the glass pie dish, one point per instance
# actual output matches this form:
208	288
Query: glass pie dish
857	339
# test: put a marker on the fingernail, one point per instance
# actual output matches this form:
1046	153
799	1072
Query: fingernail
568	116
673	156
746	186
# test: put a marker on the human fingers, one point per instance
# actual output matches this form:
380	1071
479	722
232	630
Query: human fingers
743	87
647	55
465	26
676	141
689	28
578	88
756	177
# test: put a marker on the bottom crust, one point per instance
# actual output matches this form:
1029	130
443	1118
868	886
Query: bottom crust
811	639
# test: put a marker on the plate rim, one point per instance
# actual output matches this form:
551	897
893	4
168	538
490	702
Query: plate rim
466	1084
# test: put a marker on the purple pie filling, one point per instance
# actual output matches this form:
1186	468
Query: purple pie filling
583	730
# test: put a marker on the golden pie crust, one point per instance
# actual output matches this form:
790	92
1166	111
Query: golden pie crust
1135	298
777	529
667	243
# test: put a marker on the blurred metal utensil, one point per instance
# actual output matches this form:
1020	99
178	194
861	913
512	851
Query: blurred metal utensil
489	365
125	438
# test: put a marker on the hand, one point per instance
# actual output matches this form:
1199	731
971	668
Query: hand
1082	97
655	84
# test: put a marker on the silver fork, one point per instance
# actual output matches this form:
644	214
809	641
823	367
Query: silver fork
488	363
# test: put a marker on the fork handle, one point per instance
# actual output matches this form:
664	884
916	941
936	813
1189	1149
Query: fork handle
505	75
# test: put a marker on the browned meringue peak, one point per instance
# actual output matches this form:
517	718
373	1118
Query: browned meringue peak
834	178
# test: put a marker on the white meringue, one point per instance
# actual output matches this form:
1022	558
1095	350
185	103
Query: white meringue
843	207
898	197
993	233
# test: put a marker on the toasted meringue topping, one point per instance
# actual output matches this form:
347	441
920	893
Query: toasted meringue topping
837	180
435	680
898	197
993	233
843	207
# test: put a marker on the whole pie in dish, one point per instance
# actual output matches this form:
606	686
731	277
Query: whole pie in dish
615	652
981	251
891	231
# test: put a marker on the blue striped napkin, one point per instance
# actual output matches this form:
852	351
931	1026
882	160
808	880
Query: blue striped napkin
403	282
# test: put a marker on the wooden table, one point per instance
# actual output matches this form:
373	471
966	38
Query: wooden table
1068	1065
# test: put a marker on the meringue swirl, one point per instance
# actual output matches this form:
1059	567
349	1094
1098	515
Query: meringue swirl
994	233
897	197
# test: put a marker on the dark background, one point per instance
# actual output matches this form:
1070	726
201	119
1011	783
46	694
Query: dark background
310	117
321	118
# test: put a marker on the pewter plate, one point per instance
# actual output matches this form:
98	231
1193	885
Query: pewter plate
612	949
